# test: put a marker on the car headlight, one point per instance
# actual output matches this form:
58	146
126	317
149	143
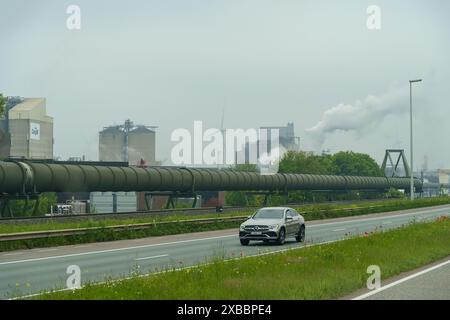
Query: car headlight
274	227
242	227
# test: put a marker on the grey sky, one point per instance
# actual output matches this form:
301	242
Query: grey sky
168	63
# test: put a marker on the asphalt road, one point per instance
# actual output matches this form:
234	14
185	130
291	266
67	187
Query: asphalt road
429	283
30	271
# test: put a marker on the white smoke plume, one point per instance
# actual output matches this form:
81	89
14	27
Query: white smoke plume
361	115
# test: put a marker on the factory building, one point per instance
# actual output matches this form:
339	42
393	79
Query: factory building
130	143
107	202
287	142
26	131
111	144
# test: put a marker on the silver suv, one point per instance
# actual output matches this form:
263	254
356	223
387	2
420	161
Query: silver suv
273	224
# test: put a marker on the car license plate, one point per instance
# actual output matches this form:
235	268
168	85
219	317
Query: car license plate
255	233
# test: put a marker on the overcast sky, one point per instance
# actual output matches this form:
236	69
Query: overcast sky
168	63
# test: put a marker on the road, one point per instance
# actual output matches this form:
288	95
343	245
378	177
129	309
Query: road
426	283
30	271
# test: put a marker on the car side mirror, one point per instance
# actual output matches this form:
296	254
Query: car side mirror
249	217
289	218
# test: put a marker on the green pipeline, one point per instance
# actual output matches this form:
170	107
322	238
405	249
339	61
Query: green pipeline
23	177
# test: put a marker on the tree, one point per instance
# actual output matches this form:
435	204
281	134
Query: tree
235	198
341	163
2	104
248	167
305	162
22	208
355	164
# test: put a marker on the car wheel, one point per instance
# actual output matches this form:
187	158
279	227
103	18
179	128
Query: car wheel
245	242
282	236
300	237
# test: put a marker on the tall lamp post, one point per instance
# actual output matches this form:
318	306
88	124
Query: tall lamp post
411	135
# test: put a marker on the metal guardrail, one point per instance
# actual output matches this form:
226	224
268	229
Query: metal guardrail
138	226
155	213
343	209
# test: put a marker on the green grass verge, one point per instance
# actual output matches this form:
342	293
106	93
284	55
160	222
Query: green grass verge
319	272
310	212
92	222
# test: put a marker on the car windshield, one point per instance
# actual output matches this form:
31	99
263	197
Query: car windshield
269	214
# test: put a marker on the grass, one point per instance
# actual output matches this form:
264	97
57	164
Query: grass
320	212
92	222
310	212
319	272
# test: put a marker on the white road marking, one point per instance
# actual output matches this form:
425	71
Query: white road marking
337	230
153	257
415	275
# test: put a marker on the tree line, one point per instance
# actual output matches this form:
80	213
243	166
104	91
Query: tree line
341	163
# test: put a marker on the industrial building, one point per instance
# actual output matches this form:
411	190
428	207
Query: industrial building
26	131
119	145
130	143
287	142
106	202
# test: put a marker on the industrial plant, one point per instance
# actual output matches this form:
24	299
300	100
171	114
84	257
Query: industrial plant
122	179
128	142
26	131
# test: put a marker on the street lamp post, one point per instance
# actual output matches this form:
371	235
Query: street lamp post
411	136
